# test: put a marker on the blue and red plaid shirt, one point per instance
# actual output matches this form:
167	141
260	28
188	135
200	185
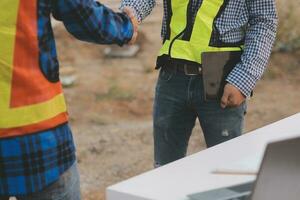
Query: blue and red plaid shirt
30	163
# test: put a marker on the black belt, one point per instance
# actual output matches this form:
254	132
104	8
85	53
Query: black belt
181	66
190	70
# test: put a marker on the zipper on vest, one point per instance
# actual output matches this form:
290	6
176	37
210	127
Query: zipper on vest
172	42
188	18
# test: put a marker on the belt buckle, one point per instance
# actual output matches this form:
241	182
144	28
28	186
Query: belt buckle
185	66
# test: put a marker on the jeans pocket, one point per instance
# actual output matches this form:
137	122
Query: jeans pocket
165	75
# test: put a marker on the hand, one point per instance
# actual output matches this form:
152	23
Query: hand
134	22
232	97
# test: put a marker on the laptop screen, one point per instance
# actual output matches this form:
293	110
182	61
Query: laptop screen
279	176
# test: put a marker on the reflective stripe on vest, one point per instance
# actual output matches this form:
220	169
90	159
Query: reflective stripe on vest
199	41
28	101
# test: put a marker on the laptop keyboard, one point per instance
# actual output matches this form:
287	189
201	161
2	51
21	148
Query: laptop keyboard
247	197
243	191
239	192
242	197
242	188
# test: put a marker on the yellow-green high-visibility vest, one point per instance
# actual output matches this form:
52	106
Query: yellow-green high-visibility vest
187	41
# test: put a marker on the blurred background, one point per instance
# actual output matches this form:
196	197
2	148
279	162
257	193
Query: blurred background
110	95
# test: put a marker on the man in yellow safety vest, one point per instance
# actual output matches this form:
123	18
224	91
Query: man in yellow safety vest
197	33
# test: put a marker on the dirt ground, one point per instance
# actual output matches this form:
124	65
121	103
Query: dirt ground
111	103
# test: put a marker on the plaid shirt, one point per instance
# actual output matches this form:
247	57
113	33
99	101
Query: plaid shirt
30	163
251	21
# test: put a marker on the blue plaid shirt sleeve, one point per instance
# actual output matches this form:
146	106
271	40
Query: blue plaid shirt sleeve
90	21
259	39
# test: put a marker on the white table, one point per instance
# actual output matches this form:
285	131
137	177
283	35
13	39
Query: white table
193	174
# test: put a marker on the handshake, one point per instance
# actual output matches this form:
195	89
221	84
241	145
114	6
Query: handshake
130	12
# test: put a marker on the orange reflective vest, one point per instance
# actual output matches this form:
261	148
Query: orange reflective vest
29	102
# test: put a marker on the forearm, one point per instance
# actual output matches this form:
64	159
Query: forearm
259	40
91	21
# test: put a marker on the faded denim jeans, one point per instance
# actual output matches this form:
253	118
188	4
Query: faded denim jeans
179	101
66	188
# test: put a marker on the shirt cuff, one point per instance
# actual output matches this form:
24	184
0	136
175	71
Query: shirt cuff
241	79
140	8
135	13
129	33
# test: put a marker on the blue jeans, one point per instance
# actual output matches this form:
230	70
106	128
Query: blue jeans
179	101
66	188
